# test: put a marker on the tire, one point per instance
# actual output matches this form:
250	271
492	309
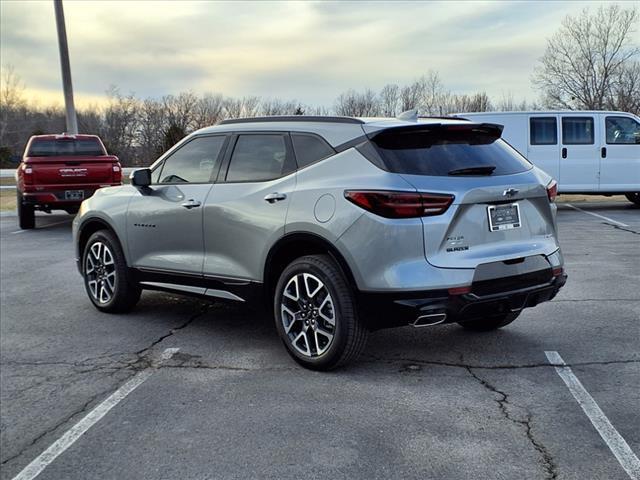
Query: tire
312	292
490	323
633	197
26	214
107	279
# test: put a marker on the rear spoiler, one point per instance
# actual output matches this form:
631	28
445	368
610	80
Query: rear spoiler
491	129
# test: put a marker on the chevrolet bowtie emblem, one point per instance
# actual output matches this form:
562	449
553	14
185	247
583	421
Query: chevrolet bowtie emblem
510	192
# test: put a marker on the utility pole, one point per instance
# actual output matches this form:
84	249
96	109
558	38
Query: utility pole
72	121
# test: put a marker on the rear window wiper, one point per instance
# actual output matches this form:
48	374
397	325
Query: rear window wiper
479	170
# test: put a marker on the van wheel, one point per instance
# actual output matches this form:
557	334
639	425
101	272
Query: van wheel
633	197
107	279
26	213
315	314
490	323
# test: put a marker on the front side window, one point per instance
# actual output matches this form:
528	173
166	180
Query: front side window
543	131
192	163
258	157
622	131
577	131
310	149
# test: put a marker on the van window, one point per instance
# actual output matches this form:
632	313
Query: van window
543	130
310	149
577	131
622	131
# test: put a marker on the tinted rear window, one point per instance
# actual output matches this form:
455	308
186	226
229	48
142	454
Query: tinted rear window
440	151
89	147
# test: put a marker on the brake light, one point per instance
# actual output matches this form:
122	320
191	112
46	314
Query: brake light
552	190
117	173
27	172
557	271
400	204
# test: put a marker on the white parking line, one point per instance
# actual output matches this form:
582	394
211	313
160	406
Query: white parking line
597	215
609	434
59	446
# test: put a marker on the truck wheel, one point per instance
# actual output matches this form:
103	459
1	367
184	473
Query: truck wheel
490	323
315	314
26	213
633	197
107	280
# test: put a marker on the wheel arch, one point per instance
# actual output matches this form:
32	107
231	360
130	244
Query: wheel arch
295	245
91	226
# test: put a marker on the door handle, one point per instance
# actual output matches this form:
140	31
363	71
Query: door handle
275	197
191	203
603	152
564	152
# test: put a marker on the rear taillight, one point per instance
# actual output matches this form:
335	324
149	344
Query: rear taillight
552	190
27	174
557	271
400	204
117	173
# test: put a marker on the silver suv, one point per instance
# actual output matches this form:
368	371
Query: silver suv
342	225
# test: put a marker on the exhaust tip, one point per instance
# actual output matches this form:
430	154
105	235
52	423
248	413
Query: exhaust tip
429	320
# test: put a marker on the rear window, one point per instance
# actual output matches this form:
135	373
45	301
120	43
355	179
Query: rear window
88	147
441	151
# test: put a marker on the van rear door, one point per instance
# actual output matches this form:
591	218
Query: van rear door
543	144
579	153
619	153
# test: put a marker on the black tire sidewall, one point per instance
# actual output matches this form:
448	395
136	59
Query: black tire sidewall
26	213
333	355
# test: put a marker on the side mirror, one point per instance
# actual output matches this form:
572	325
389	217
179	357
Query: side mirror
141	178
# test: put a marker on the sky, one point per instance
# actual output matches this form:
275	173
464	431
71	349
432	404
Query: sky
302	50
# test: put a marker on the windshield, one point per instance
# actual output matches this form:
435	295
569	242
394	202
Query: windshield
88	147
448	151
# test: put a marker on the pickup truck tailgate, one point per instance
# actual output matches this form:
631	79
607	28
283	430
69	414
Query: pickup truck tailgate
87	172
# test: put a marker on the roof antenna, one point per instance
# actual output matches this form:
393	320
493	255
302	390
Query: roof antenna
409	115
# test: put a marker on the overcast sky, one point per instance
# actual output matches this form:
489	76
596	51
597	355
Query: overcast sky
309	51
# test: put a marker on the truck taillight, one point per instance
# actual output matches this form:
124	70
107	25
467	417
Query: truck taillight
27	173
117	173
391	204
552	190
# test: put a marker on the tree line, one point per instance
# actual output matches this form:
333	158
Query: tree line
590	63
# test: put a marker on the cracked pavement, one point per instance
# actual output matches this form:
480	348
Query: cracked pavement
436	402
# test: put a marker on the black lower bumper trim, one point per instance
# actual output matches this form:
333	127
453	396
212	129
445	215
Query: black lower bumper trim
385	310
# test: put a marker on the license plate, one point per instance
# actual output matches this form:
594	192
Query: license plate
503	217
73	194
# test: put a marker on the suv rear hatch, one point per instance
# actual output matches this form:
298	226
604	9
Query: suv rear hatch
71	161
500	210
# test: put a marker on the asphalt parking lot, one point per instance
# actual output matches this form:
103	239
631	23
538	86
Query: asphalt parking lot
436	402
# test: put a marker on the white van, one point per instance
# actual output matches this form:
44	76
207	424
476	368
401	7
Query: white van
589	152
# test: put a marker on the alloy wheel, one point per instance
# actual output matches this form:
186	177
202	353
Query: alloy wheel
100	272
308	315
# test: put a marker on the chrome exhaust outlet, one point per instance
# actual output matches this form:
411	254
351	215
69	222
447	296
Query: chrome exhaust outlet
429	320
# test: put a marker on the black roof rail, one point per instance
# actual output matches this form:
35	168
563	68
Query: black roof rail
292	118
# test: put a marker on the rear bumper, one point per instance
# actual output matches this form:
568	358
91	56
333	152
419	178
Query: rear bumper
56	197
384	310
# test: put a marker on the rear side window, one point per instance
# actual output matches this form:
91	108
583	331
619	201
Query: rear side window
310	149
543	131
442	151
194	162
622	131
577	131
88	147
258	157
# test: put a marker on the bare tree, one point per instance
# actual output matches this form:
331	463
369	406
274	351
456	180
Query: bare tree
152	120
586	57
209	110
120	124
389	97
352	103
276	106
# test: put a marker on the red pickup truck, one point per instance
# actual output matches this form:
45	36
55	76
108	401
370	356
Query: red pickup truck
58	172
